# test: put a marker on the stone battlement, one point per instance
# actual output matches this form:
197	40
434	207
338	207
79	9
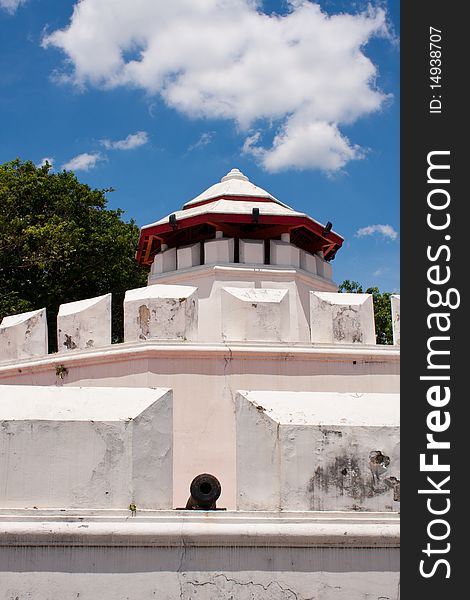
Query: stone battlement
234	312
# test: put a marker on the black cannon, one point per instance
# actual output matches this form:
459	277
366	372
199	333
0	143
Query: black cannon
205	490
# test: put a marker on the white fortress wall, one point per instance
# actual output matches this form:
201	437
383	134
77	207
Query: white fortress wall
85	447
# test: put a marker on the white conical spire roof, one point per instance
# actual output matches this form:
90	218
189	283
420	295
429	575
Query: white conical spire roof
235	183
235	174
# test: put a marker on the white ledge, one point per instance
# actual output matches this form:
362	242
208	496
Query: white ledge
155	349
241	270
219	529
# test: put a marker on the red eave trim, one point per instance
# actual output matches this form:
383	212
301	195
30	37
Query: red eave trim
236	198
292	221
183	223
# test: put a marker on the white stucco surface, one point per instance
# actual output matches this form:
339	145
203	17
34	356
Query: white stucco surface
328	408
327	269
337	318
84	324
210	279
320	265
163	312
85	447
164	261
205	379
251	252
284	254
308	262
189	256
228	556
258	314
317	451
313	563
23	335
135	579
395	302
219	251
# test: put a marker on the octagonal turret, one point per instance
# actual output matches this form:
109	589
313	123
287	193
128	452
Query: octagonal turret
238	210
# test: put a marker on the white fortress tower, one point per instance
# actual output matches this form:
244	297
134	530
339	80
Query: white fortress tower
240	360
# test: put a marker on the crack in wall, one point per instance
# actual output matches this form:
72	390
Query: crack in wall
281	593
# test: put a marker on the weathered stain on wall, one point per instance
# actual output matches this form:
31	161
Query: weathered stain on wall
143	321
165	312
346	478
309	466
347	326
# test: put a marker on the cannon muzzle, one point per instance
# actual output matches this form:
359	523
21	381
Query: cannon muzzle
205	490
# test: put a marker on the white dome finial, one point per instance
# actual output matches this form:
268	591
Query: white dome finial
235	174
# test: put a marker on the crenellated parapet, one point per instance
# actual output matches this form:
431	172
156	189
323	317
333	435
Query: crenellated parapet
228	311
24	335
84	324
395	300
161	312
255	314
224	250
342	318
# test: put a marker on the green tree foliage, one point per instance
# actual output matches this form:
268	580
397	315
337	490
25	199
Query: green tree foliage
382	309
59	243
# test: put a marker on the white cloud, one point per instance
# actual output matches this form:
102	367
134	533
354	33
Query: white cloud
11	5
83	162
250	147
133	140
304	144
203	141
300	76
46	159
380	271
384	230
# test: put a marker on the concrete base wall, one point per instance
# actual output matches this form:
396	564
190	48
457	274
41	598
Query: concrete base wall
210	556
141	574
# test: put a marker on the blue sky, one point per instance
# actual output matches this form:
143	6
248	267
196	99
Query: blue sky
159	100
